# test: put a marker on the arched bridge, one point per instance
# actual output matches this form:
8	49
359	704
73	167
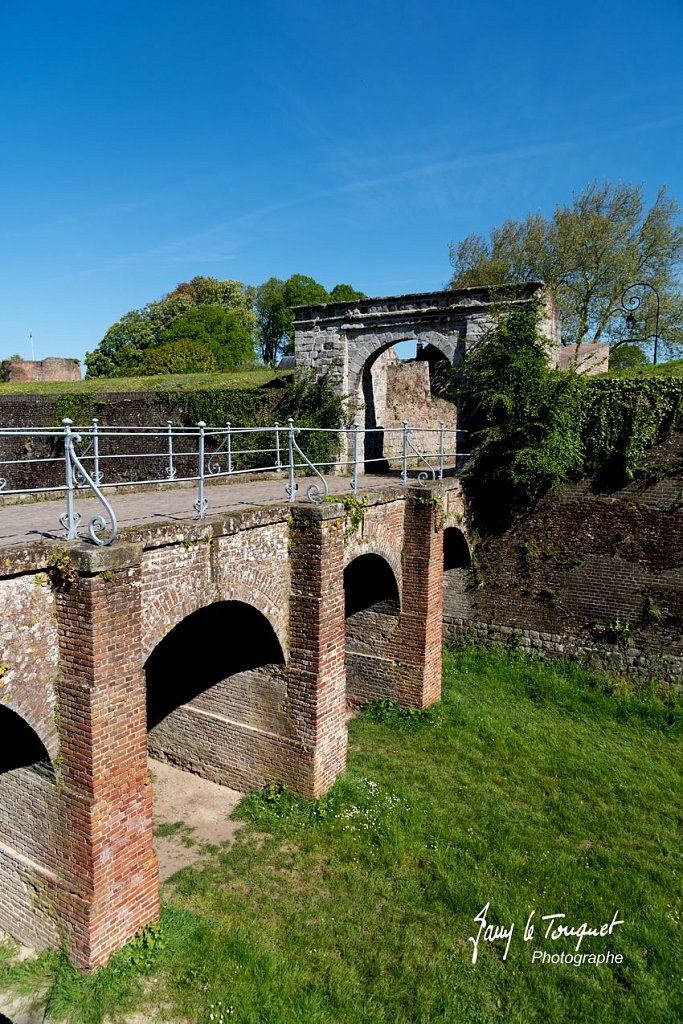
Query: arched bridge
230	646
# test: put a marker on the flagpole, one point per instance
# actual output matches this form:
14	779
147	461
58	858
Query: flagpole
30	340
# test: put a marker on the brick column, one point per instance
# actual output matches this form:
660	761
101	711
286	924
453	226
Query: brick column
109	863
317	677
418	669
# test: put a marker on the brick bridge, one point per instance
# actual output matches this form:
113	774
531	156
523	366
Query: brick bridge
231	647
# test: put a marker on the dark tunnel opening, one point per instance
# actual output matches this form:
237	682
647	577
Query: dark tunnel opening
208	646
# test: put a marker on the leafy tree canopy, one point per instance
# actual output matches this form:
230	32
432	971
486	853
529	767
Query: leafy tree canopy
182	356
224	326
588	253
273	301
219	330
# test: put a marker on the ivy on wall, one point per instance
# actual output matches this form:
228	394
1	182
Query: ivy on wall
536	428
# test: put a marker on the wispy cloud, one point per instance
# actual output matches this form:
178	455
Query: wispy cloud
222	241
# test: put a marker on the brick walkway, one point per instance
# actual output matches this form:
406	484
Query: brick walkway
23	523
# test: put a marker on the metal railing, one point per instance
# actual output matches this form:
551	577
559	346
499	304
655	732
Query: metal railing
93	458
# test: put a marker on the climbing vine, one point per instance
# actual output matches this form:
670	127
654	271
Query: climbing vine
536	428
354	511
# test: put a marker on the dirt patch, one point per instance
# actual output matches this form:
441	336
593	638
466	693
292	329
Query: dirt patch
190	813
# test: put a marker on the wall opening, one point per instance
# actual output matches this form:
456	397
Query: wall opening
372	608
457	577
405	380
456	551
216	690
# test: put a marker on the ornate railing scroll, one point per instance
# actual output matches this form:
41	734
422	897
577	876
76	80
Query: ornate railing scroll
314	492
78	476
408	444
224	449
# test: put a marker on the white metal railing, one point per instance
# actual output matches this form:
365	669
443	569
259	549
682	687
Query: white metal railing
93	458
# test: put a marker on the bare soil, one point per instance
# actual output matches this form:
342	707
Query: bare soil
190	814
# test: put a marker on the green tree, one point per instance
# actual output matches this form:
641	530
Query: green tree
345	293
122	350
628	357
588	253
273	302
524	417
218	329
274	319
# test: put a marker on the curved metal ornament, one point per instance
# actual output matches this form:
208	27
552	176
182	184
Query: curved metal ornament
97	523
200	506
314	492
634	301
425	475
70	523
3	483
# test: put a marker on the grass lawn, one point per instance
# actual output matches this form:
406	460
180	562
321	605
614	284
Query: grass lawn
531	788
176	382
674	368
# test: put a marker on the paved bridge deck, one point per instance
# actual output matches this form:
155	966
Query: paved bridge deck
39	520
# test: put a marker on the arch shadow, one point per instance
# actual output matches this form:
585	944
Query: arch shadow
208	646
21	745
372	606
370	584
456	550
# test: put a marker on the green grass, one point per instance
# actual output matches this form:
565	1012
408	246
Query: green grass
531	787
250	377
674	368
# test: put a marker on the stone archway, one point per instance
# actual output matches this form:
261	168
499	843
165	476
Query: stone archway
341	337
217	695
372	606
457	577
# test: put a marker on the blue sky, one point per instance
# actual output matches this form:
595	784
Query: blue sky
144	143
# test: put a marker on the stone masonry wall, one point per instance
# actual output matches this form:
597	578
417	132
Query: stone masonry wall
18	371
589	575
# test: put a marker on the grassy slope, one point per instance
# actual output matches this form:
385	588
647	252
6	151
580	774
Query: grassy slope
671	369
167	382
529	788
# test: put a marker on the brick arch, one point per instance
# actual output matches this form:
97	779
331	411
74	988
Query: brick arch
255	593
166	615
376	546
20	730
44	727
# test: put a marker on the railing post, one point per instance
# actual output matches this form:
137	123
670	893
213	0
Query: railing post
278	461
442	429
291	485
97	476
170	470
71	519
228	444
201	502
354	477
404	472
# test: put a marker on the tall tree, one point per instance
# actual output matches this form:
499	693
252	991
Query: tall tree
273	302
123	348
588	253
